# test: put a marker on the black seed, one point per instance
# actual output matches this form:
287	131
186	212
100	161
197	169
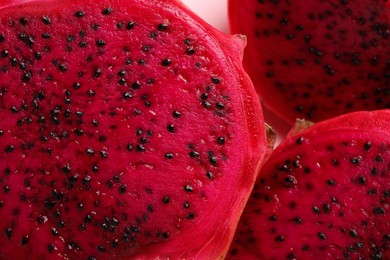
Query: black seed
190	50
122	188
130	147
88	218
321	236
362	180
136	85
326	207
221	140
66	168
353	233
54	231
356	159
46	19
100	42
330	182
150	208
289	36
50	248
79	14
153	35
24	240
316	210
220	105
82	44
26	76
204	96
130	25
169	155
140	148
76	85
162	27
103	154
213	160
194	154
97	73
215	80
166	200
23	21
206	104
6	189
4	53
90	151
46	36
171	128
49	204
210	175
273	218
297	220
279	238
9	149
107	11
120	25
188	188
101	248
379	211
290	180
378	158
335	162
166	62
299	140
79	132
70	38
127	95
122	81
95	122
62	67
190	215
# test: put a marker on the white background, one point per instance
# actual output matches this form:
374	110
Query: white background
213	11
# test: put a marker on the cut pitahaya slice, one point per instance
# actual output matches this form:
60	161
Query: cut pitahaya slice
128	129
316	59
324	193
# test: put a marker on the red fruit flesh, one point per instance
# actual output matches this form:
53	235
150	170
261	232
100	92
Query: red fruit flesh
126	131
324	193
316	59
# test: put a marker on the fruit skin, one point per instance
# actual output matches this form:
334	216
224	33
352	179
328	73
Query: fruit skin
319	59
67	193
323	193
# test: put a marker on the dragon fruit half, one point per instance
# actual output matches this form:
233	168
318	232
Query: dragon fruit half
316	59
126	130
323	194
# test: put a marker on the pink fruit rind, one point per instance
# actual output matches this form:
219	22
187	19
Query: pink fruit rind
206	236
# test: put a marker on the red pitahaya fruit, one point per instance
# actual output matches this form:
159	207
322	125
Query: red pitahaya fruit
126	131
316	59
324	193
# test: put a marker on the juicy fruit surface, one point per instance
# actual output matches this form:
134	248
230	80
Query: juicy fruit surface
122	133
316	59
325	192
